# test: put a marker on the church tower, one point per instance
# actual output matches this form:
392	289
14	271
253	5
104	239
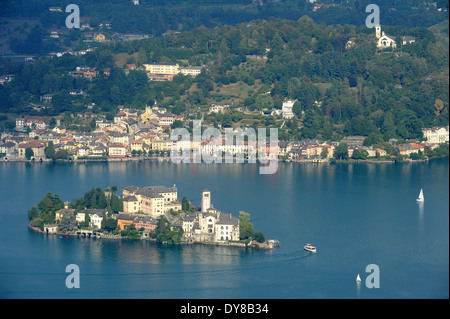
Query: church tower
378	31
206	200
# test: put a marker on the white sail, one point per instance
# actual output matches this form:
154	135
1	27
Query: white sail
421	198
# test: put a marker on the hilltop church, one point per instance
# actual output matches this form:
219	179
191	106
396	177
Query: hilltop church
384	41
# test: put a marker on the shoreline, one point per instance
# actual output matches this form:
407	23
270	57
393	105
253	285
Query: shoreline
253	244
167	159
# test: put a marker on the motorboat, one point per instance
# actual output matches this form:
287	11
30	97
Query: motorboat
310	248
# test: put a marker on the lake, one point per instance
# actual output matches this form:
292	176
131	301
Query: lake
355	214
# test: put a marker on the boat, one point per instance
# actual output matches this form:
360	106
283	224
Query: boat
310	248
420	198
358	279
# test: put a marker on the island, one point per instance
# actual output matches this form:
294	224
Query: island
150	213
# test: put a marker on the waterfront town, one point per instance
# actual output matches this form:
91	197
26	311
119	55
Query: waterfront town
139	134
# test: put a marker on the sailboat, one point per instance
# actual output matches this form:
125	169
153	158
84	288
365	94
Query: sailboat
420	198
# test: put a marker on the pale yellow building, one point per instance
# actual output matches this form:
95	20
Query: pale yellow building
152	200
162	68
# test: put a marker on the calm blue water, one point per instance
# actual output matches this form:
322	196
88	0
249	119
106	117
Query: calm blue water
355	214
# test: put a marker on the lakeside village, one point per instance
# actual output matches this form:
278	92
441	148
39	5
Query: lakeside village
142	134
149	213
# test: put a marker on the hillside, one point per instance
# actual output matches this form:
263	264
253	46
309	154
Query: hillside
340	90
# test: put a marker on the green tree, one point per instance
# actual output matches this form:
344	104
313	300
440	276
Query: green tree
33	213
356	154
245	227
109	224
29	153
341	152
364	154
50	150
259	236
68	223
185	205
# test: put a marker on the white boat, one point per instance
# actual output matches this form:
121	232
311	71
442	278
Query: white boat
358	279
420	198
310	248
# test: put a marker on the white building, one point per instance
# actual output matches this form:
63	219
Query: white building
191	70
384	41
286	109
437	134
218	107
206	200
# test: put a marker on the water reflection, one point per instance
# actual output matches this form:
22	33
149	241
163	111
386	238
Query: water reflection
420	206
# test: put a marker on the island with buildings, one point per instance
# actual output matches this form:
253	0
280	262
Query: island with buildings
151	213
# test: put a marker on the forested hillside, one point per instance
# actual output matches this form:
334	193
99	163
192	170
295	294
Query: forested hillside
340	90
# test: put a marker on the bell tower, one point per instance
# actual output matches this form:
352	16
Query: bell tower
378	31
206	200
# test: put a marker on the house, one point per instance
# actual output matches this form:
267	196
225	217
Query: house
65	212
47	98
148	223
130	204
410	148
117	150
161	71
136	145
152	200
89	73
31	123
95	216
83	151
380	152
188	221
162	68
408	40
37	146
6	78
286	109
226	228
219	107
76	92
99	151
20	124
54	34
162	145
61	129
191	70
8	148
437	134
100	37
55	9
124	219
